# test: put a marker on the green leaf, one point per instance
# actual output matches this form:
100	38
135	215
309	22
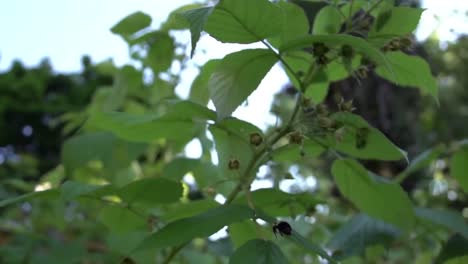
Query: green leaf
161	51
361	140
197	19
456	246
459	167
241	232
176	20
202	225
375	196
131	24
399	20
121	220
451	220
72	189
113	152
361	231
52	194
184	210
410	71
327	21
258	251
237	76
294	152
181	123
199	92
238	21
151	191
294	23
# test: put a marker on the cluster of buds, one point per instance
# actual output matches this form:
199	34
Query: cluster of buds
320	50
396	44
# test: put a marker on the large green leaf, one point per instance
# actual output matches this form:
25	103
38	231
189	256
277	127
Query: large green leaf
294	23
119	219
199	92
197	19
151	191
459	167
360	232
113	152
239	21
237	76
201	225
375	196
73	189
410	71
328	21
132	24
361	140
258	251
242	232
181	123
184	210
399	20
451	220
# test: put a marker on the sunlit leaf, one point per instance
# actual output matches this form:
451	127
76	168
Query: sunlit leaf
199	91
327	21
197	19
294	23
238	21
399	20
132	24
409	71
237	76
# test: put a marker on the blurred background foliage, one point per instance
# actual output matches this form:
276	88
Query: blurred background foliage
41	108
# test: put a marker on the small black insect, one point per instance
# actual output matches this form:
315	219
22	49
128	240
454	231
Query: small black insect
283	228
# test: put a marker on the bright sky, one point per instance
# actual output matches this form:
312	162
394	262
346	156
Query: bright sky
66	30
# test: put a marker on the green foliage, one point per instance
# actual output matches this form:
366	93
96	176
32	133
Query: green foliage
459	167
124	163
238	21
373	195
